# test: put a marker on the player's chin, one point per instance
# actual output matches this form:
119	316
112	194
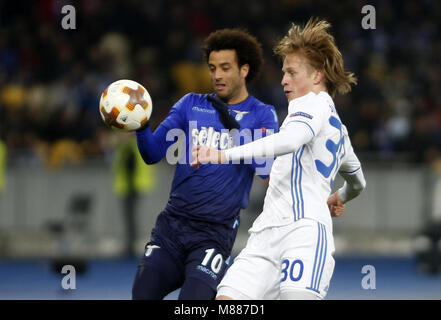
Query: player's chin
223	94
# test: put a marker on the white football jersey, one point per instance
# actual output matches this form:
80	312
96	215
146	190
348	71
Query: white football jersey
301	182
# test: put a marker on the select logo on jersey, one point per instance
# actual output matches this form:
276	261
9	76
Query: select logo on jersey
212	138
179	152
240	114
301	114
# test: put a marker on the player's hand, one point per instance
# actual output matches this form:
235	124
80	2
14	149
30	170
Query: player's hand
204	154
335	205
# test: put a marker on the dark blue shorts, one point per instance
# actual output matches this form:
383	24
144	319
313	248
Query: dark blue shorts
200	249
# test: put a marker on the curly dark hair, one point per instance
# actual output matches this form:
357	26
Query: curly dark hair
248	49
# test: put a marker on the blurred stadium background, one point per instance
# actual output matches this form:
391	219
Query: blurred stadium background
61	170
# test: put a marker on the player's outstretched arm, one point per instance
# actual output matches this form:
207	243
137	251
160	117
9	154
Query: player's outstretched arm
152	146
287	141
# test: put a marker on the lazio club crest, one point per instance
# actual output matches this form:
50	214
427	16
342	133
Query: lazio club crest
240	114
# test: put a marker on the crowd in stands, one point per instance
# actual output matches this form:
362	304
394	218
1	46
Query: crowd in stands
51	78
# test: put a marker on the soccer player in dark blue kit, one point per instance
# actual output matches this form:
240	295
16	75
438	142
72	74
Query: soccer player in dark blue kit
194	235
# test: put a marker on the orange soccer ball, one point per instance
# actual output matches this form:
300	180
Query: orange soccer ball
125	105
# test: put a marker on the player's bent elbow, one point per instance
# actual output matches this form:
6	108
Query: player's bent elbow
148	158
151	161
361	186
358	188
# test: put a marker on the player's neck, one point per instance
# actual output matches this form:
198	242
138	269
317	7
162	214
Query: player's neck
319	88
240	97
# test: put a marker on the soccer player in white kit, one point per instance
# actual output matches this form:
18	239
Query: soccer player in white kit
289	254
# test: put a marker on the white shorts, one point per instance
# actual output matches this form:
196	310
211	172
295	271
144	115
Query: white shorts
298	256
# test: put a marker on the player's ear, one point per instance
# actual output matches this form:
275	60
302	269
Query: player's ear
318	76
244	69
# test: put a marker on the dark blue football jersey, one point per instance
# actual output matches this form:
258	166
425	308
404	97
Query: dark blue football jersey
214	192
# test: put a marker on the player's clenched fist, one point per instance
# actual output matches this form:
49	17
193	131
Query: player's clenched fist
336	206
204	154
